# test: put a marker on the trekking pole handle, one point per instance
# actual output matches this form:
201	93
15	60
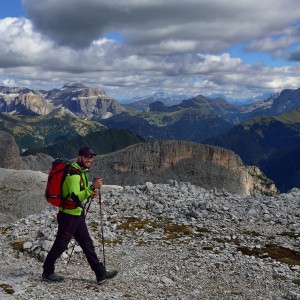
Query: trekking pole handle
97	182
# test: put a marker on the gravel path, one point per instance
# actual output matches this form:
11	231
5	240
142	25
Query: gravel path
173	241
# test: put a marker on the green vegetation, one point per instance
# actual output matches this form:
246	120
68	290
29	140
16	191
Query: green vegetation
296	281
41	131
280	277
279	253
18	245
173	231
289	234
252	233
102	142
8	289
4	230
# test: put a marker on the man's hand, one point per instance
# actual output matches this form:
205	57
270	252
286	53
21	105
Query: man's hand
94	195
98	183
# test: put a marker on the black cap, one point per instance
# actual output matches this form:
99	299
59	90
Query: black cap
86	151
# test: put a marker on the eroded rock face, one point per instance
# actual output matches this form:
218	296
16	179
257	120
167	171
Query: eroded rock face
22	192
9	152
11	159
40	162
160	161
31	102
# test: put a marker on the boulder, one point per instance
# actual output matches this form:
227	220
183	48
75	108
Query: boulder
22	192
9	152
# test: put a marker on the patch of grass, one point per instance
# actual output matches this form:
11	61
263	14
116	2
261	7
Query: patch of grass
280	277
219	240
94	225
171	236
18	245
236	242
279	253
208	248
127	296
202	230
289	234
8	289
93	287
4	230
252	233
132	224
296	281
109	242
112	242
175	228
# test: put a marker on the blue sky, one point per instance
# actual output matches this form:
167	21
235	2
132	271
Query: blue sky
12	8
135	48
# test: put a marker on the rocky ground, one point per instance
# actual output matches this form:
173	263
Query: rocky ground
168	241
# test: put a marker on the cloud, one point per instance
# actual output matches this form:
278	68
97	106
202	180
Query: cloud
205	25
279	44
170	45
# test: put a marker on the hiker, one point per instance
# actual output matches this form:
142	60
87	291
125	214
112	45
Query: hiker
71	222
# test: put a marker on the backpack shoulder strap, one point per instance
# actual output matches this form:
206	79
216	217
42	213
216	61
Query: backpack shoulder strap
74	171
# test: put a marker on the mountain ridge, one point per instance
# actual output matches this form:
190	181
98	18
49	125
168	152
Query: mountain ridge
268	142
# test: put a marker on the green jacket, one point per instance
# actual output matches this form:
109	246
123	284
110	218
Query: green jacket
76	189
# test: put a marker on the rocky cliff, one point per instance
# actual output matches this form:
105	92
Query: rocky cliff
158	161
9	152
10	156
83	101
24	102
202	165
22	193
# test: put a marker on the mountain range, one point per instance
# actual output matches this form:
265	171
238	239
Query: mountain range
40	131
101	142
82	101
261	132
270	142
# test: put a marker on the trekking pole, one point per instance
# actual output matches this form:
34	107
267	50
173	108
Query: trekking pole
101	225
88	204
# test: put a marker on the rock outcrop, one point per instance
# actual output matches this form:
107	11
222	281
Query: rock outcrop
39	162
159	161
24	101
9	152
202	165
22	192
83	101
10	156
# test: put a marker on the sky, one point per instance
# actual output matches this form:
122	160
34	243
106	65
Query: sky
132	48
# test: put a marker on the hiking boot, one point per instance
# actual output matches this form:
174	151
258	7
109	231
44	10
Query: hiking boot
108	275
52	277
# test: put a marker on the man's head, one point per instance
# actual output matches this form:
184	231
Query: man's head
86	157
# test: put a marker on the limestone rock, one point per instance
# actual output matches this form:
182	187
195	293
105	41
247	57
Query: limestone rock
24	101
9	152
159	161
40	162
22	192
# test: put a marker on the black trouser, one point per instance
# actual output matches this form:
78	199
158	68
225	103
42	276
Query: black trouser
73	226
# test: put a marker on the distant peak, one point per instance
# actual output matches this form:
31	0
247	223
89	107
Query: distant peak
74	85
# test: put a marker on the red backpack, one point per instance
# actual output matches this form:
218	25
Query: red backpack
58	172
